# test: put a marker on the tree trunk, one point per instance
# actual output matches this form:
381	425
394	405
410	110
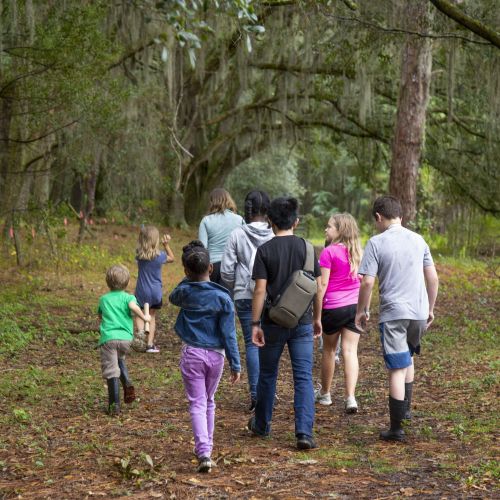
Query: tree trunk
412	105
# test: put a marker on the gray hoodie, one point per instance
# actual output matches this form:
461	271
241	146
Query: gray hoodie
239	254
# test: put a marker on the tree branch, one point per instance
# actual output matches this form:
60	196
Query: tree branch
460	17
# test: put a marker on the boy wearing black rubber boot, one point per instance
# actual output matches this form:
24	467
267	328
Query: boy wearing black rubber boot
408	286
117	332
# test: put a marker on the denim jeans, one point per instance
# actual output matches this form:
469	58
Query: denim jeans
300	347
201	371
244	311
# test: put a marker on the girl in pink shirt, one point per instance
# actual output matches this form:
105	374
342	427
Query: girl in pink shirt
339	264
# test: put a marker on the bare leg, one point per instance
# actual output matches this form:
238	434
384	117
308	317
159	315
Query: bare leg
139	324
397	383
350	342
328	361
152	327
410	373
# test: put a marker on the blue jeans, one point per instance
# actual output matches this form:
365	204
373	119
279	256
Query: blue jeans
300	347
244	310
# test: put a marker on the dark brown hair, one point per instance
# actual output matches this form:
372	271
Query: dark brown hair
388	207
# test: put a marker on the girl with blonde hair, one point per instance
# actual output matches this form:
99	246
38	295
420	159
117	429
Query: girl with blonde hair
216	227
339	264
150	260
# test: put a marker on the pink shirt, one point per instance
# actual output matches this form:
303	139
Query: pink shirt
343	288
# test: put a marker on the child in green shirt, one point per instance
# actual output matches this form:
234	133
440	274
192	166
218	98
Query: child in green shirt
117	331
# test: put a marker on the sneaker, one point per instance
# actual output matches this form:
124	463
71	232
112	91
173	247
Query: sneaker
204	464
322	399
305	442
152	349
351	406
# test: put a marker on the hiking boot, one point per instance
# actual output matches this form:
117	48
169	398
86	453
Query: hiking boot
397	409
322	399
305	442
204	464
351	405
152	349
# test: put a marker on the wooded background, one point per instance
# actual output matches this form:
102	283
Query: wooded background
134	110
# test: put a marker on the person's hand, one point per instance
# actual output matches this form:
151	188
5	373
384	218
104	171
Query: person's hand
430	319
361	320
318	328
258	336
147	318
235	377
165	239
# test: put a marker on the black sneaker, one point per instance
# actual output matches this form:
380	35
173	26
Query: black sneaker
204	464
305	442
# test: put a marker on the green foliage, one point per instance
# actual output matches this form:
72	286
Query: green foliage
274	171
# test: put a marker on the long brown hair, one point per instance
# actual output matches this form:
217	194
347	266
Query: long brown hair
220	201
349	236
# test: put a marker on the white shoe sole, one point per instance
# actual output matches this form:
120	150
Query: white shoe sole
324	403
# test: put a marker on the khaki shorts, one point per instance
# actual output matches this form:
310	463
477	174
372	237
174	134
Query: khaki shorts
111	352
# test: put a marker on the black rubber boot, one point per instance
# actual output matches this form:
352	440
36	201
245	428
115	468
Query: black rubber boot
397	410
113	396
128	388
408	395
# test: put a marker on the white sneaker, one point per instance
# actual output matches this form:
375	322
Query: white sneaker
322	399
351	406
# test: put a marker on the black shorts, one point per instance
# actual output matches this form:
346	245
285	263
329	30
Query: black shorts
158	305
333	320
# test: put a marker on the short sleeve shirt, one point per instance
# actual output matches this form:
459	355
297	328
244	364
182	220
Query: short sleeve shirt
343	287
149	285
275	261
398	257
116	317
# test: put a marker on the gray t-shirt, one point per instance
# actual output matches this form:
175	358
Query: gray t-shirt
398	256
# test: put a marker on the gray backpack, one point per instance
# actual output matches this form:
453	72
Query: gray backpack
296	296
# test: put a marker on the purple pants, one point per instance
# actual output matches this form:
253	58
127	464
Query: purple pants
201	371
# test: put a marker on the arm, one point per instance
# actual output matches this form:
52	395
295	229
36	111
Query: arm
317	305
176	296
365	292
259	296
138	312
165	242
227	329
229	261
325	278
432	285
202	233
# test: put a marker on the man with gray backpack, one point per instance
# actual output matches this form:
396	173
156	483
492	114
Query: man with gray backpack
286	310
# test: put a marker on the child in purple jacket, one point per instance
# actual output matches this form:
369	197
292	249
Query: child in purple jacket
206	325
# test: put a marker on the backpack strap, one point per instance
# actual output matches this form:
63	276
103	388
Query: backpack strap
309	262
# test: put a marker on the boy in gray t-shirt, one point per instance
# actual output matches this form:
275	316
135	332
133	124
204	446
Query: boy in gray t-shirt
408	286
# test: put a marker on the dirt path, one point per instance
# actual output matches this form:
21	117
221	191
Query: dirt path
56	441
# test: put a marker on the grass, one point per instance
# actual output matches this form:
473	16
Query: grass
52	394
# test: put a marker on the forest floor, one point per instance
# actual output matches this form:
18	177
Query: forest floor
57	442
